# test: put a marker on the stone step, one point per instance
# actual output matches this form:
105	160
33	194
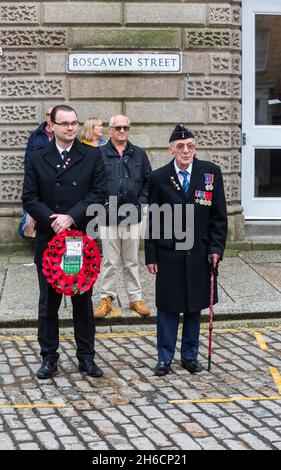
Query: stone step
261	228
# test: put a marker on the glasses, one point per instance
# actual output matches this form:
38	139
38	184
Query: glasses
190	147
119	128
66	125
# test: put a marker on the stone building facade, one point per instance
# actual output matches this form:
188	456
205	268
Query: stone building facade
36	38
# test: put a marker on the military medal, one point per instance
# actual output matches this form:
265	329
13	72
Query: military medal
204	198
174	183
199	196
208	198
209	180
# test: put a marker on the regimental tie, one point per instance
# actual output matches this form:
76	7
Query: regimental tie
185	184
66	158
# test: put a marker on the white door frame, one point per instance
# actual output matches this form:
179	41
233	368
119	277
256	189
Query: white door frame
256	136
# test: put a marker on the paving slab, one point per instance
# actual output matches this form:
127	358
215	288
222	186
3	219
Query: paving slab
3	273
268	256
271	272
241	281
249	287
20	292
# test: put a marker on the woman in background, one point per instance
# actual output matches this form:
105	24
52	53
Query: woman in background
92	132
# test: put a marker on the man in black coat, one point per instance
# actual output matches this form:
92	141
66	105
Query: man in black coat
183	272
60	182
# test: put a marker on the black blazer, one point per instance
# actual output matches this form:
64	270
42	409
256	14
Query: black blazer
49	189
183	279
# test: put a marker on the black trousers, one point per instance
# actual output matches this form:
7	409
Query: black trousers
48	323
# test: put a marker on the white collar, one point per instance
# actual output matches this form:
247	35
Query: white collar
60	149
189	168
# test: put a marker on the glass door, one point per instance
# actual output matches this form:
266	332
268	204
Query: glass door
261	109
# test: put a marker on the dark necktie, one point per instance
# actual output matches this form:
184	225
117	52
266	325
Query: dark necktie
65	154
185	184
65	159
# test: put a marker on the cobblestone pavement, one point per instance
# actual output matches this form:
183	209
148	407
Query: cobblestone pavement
236	406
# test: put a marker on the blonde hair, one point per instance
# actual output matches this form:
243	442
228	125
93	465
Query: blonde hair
87	131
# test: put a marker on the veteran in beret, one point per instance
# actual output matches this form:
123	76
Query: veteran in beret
180	260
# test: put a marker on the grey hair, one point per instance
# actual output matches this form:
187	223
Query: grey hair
112	119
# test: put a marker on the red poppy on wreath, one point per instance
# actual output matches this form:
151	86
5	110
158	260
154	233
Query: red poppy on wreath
56	245
66	284
86	271
46	271
84	284
71	284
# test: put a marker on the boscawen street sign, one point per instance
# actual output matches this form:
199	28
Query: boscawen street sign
124	62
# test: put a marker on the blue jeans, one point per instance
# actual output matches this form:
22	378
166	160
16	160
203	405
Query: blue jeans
167	330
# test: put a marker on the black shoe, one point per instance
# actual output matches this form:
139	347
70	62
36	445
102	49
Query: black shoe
194	367
162	368
47	370
91	368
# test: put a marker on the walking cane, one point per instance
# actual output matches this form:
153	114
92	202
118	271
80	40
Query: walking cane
212	288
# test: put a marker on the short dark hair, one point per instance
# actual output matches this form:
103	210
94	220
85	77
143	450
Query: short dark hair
61	107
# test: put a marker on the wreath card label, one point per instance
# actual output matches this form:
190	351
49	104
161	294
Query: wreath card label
71	263
72	259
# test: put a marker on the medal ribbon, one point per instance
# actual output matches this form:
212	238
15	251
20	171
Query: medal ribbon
209	178
204	194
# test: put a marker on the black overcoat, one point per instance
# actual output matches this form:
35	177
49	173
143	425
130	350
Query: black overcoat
183	279
49	188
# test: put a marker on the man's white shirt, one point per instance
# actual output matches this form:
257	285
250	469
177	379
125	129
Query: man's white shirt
180	177
62	150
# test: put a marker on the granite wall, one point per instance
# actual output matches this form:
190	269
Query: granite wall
36	37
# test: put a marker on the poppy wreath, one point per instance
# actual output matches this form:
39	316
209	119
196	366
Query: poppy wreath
71	284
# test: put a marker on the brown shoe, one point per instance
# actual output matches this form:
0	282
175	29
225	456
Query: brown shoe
104	307
140	307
